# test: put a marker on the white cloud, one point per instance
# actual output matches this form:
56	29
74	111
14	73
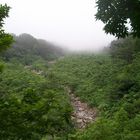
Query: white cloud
66	22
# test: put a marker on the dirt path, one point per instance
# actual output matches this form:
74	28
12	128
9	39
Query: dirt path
83	114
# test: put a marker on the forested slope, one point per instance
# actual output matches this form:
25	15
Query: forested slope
38	107
111	82
27	49
33	106
35	85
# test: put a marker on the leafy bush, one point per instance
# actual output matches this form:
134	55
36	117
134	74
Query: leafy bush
30	109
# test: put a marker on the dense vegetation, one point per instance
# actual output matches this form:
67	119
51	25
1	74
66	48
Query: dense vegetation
28	49
31	106
5	38
35	106
111	82
121	17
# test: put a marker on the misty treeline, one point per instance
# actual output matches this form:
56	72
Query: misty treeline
28	49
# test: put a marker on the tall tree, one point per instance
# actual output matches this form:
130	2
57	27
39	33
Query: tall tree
5	38
117	14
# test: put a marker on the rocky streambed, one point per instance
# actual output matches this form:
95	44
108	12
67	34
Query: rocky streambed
82	114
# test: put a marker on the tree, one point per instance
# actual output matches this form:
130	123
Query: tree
117	15
5	38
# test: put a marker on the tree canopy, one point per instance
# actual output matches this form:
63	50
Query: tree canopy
5	38
117	15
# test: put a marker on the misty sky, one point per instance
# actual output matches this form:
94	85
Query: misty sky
70	23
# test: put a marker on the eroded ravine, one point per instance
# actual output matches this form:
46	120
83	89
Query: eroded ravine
82	114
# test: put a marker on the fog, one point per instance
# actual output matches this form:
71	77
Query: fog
69	23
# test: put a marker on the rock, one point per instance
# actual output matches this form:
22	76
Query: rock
80	109
89	118
79	121
82	114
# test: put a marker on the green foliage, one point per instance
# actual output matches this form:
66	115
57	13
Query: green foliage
120	127
125	49
35	106
5	39
115	15
30	107
4	10
27	49
1	66
111	82
89	76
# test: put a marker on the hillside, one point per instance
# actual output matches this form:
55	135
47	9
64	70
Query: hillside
32	106
47	105
111	83
27	49
48	93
